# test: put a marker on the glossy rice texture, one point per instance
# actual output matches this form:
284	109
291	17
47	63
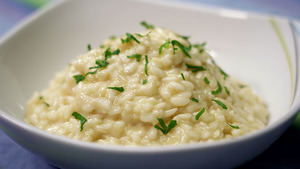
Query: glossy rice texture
129	117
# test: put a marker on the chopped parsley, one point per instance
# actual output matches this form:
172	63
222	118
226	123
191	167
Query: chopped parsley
89	47
233	126
46	104
183	48
227	91
145	81
146	65
81	118
139	35
223	73
182	75
146	25
79	78
100	64
101	46
201	50
206	80
120	89
242	86
128	38
165	45
199	113
220	103
137	56
195	68
195	100
112	37
218	90
163	127
184	37
108	53
199	45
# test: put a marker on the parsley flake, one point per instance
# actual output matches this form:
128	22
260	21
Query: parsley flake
146	25
227	91
195	68
46	104
220	103
183	48
200	113
145	81
163	127
195	100
137	56
182	76
120	89
165	45
78	78
89	47
81	118
108	53
206	80
233	126
184	37
223	73
217	91
128	38
146	65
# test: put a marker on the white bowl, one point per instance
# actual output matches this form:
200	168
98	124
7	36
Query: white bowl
256	49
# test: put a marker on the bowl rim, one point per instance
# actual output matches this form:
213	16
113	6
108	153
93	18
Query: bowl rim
121	149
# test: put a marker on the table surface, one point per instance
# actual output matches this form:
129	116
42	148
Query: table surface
283	154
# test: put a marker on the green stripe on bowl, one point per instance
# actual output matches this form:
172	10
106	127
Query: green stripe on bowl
287	56
34	3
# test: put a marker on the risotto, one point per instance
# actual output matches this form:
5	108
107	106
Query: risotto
148	88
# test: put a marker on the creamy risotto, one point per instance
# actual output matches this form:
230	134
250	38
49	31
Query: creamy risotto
148	88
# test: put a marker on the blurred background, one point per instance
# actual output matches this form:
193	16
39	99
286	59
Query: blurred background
283	154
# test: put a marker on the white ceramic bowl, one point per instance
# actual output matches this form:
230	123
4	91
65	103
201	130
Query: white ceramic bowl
256	49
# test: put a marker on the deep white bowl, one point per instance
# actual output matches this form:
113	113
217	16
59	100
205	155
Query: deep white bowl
256	49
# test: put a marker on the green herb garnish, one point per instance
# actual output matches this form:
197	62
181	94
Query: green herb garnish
218	90
200	113
46	104
226	90
146	25
81	118
242	86
128	38
163	128
233	126
182	76
223	73
139	35
79	78
195	100
183	48
220	103
108	53
89	47
195	68
101	46
120	89
100	64
145	81
137	56
146	65
112	37
206	80
165	45
201	50
184	37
